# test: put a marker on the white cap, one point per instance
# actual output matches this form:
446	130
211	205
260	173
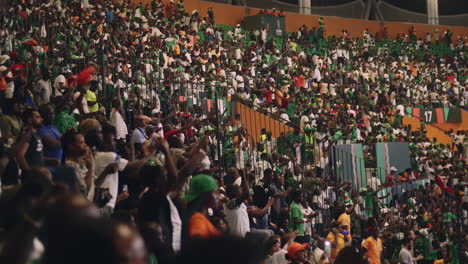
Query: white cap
3	68
424	232
393	169
4	59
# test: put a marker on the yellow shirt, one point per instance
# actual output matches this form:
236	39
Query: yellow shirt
90	96
345	220
339	246
374	249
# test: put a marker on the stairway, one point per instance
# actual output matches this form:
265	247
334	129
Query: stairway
255	121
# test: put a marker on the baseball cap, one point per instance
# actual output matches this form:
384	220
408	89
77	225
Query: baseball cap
393	169
296	247
208	128
143	117
4	58
200	184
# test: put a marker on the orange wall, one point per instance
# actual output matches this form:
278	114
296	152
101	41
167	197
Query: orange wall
432	132
232	15
255	121
457	126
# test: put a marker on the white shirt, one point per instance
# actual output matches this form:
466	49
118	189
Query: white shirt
317	75
139	135
458	139
102	160
84	104
308	225
279	257
119	124
374	183
205	163
405	256
237	218
240	162
176	226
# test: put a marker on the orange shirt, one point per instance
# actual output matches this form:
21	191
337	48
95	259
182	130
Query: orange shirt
279	97
373	249
200	226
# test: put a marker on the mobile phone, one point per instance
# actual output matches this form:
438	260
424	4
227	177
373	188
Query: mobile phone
328	248
125	188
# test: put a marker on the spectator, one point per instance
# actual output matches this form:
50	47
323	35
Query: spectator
373	246
201	196
297	253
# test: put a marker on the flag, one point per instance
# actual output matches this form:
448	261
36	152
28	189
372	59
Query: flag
29	41
446	112
454	115
440	115
83	77
416	113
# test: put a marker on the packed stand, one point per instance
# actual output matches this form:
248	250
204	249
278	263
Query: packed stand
108	136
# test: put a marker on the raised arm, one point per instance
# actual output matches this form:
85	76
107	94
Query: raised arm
257	212
196	157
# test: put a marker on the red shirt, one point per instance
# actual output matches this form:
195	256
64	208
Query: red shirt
439	182
284	102
268	96
451	79
169	133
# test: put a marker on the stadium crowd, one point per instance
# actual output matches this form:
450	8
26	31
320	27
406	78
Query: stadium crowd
120	143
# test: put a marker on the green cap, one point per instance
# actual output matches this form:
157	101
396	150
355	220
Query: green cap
200	184
208	128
